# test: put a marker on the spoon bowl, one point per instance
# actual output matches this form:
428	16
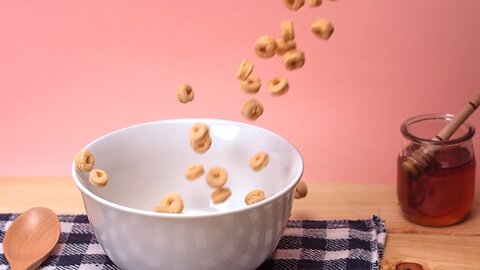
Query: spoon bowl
30	238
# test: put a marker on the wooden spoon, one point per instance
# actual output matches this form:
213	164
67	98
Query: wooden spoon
30	238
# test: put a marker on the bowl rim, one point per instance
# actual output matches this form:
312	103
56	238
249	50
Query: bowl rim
148	213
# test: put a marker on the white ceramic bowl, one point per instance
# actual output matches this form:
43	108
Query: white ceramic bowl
146	161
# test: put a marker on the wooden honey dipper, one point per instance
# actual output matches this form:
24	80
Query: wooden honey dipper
415	163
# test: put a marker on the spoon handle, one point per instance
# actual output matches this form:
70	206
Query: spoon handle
459	118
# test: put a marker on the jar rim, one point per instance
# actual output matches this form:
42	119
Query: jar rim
436	116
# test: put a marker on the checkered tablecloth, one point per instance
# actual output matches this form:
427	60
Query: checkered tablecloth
306	244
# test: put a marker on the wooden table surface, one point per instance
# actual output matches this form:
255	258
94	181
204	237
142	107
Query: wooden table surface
453	247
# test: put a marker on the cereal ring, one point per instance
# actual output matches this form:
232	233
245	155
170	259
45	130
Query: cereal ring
278	86
265	46
285	46
293	59
84	161
194	172
245	69
221	194
98	178
184	93
301	190
199	132
254	196
322	28
294	4
252	109
287	31
171	203
314	3
251	85
259	161
217	177
202	146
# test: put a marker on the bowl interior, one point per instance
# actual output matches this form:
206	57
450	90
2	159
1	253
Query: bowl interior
144	162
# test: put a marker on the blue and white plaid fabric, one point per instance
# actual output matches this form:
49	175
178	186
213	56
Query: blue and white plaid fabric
306	244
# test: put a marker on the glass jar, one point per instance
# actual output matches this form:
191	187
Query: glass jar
442	193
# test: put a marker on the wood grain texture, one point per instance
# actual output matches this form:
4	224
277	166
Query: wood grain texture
18	194
453	247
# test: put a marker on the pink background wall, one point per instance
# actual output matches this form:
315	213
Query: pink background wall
71	71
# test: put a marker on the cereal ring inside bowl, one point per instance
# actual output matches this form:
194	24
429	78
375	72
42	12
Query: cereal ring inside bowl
185	93
294	4
322	28
278	86
171	203
202	146
199	132
265	46
217	177
98	178
252	84
220	195
252	109
254	196
194	172
259	161
84	161
294	59
301	190
245	69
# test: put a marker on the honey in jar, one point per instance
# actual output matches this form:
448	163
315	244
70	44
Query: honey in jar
443	193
